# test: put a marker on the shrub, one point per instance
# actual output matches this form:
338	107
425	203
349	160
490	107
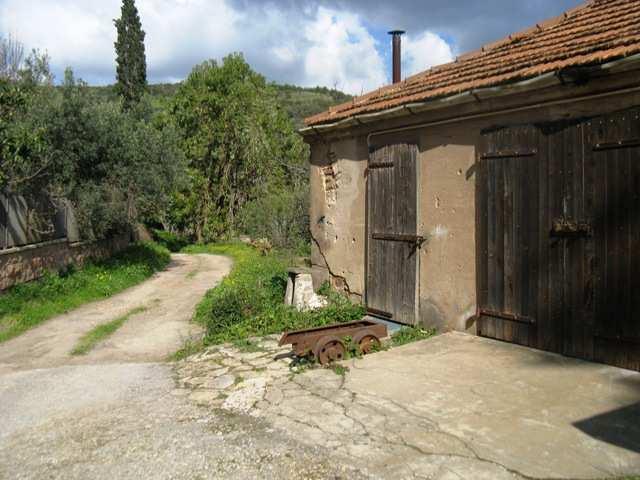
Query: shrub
169	240
282	216
250	301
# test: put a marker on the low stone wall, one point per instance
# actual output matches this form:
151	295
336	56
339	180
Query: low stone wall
24	264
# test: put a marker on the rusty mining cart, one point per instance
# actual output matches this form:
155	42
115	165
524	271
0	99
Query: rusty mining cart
327	344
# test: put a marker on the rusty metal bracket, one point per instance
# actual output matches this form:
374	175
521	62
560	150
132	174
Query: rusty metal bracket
510	317
393	237
373	166
379	313
508	154
564	227
618	338
635	142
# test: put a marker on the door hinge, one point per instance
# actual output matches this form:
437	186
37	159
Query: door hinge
417	240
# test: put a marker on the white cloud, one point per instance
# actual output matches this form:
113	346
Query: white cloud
424	51
342	53
80	33
307	45
72	32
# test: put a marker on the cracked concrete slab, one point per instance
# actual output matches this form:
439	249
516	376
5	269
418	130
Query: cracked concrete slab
455	406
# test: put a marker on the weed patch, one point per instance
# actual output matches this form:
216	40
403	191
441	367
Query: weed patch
101	332
245	345
410	334
190	347
249	301
27	305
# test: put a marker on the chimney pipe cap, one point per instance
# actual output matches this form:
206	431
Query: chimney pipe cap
396	32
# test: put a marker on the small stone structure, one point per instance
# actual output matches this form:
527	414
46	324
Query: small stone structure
300	291
24	264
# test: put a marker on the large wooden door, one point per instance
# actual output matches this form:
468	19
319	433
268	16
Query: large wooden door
509	235
612	155
559	237
392	242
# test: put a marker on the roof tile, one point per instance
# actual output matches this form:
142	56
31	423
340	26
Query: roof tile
596	32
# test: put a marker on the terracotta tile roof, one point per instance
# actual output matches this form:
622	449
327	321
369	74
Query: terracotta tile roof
593	33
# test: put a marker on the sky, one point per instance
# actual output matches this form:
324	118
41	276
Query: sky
339	44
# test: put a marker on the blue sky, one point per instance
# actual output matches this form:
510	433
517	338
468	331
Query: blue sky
333	43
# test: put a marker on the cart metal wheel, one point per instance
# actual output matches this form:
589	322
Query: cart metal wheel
329	349
366	341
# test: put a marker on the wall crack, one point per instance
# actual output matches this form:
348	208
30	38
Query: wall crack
347	288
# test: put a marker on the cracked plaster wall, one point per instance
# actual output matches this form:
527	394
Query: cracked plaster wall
338	214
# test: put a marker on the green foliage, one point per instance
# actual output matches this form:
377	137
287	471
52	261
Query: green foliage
27	305
24	160
281	215
301	102
410	334
60	145
249	302
131	70
240	146
90	339
169	240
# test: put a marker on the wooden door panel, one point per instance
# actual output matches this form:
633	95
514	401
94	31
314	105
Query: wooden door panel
613	152
391	225
559	237
510	237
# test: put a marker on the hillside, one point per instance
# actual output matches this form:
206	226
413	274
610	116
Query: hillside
299	102
303	102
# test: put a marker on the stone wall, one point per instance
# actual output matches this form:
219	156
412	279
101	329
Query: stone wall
24	264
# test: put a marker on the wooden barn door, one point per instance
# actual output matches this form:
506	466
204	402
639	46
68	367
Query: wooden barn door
508	235
612	154
559	238
392	243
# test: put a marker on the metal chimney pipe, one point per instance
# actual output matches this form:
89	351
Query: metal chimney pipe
397	54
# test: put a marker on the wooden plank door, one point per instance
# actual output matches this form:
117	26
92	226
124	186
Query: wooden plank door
569	245
392	233
612	154
508	235
559	237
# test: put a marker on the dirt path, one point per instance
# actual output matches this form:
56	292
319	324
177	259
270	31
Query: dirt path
116	413
169	299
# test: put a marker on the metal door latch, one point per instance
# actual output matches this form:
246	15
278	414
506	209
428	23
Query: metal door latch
565	227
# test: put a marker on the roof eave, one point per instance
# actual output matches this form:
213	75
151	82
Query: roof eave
475	95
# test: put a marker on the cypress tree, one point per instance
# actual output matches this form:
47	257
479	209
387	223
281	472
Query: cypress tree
130	57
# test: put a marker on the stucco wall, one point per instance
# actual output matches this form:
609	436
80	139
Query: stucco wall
446	201
338	214
447	220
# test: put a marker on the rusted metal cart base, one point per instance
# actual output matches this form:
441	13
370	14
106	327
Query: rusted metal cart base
328	344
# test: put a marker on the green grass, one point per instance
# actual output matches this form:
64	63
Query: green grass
98	334
28	305
250	300
409	335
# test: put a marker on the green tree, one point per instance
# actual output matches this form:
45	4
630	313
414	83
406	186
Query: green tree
130	56
239	143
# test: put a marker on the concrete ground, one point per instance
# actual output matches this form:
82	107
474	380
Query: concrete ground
456	406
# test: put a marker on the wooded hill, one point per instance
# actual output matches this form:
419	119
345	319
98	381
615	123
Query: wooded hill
299	102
